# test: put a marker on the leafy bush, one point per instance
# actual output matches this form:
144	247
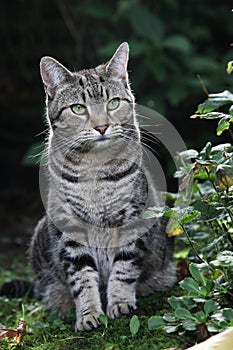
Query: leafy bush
207	227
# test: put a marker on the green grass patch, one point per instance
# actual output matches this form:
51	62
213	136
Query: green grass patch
48	332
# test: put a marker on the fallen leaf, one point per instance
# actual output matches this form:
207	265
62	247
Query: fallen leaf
18	334
7	333
182	270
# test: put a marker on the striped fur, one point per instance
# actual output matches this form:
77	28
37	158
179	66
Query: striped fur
92	251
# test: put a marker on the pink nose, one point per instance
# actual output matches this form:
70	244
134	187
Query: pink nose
101	129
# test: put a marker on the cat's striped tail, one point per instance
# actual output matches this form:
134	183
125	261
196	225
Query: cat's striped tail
17	289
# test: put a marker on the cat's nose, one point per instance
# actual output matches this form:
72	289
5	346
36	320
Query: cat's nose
101	129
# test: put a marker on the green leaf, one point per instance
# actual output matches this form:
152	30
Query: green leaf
189	325
134	325
175	302
188	154
177	42
214	102
103	320
210	115
201	317
155	322
171	329
203	292
197	275
99	11
227	147
189	217
223	125
155	212
184	314
169	317
228	314
209	286
182	254
210	306
214	327
150	28
190	285
207	210
223	259
225	96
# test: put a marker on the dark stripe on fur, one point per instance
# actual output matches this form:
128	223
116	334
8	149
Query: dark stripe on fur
127	280
72	244
122	174
79	261
77	292
70	178
124	256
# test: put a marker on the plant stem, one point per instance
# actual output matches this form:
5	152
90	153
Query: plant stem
192	245
231	133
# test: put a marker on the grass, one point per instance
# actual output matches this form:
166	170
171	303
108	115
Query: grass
49	332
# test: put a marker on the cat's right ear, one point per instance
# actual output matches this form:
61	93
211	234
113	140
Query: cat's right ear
52	74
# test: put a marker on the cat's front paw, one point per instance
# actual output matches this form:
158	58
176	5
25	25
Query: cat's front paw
118	309
87	322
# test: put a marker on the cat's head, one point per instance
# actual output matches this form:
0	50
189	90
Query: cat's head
91	106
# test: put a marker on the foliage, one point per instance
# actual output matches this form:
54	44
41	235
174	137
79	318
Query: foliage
205	306
170	43
49	332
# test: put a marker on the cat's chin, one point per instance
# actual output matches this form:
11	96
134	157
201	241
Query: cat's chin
103	142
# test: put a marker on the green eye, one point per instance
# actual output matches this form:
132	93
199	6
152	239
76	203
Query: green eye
113	104
78	109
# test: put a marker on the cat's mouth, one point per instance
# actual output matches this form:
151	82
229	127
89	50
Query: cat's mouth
102	139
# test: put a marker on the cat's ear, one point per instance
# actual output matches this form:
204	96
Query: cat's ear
117	66
52	73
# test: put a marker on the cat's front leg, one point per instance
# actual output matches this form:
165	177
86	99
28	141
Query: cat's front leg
83	280
121	290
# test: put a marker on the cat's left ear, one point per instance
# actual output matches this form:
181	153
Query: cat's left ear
117	66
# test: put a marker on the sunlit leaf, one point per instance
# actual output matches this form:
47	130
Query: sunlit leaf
103	320
223	125
229	67
171	329
210	115
134	325
189	217
212	103
174	229
188	154
223	259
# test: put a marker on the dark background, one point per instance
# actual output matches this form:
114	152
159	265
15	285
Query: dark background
171	43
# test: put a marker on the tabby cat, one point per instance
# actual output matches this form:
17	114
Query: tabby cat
93	251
